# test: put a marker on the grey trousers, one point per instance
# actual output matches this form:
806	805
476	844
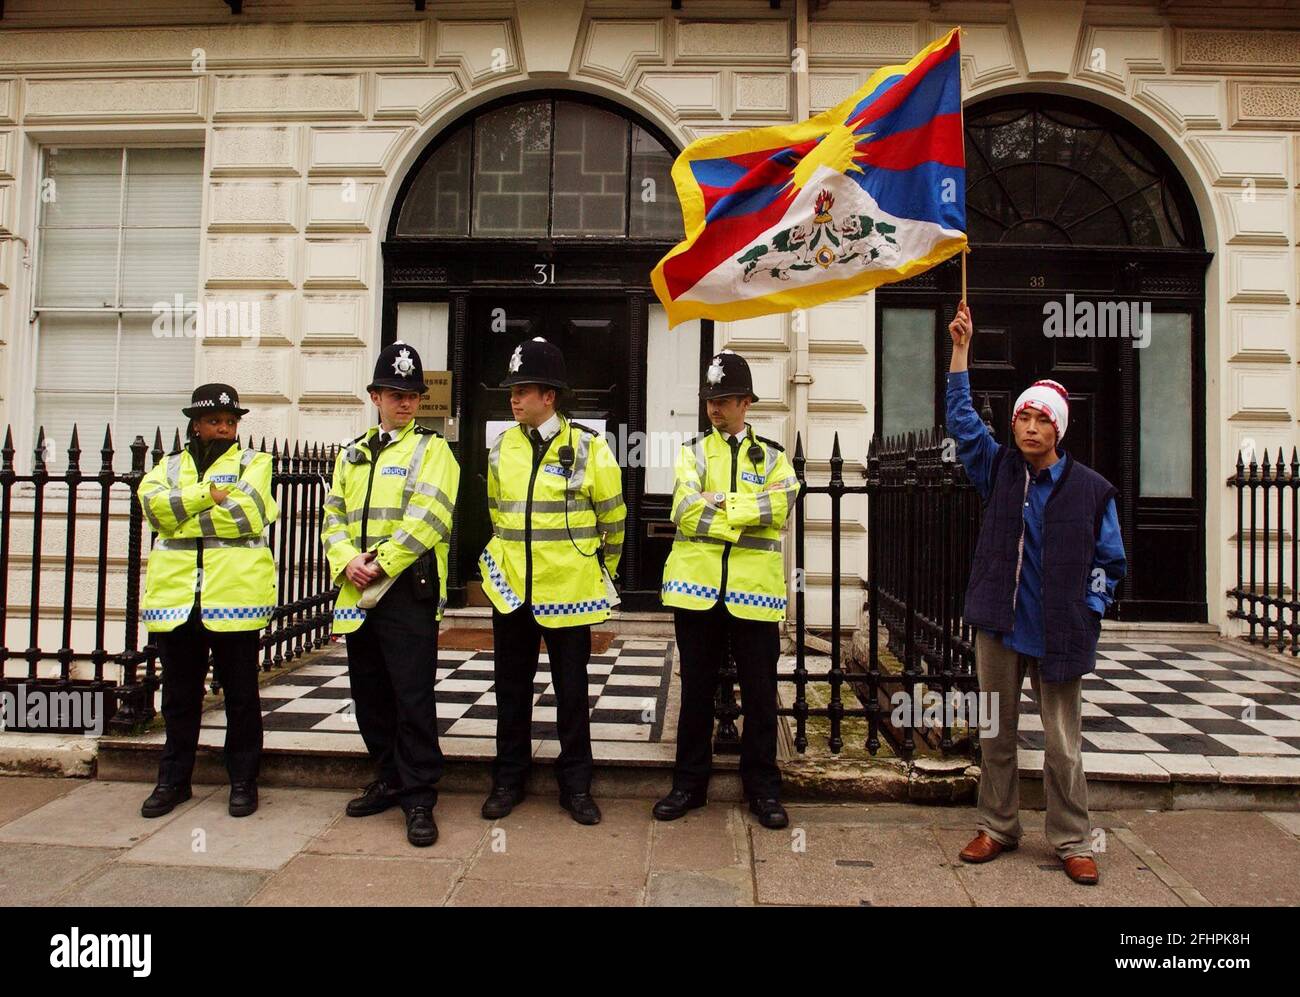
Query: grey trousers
1001	671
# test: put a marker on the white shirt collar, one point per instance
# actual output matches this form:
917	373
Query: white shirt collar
550	427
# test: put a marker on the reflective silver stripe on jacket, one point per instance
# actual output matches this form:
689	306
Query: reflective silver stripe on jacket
577	532
744	541
173	479
192	543
413	468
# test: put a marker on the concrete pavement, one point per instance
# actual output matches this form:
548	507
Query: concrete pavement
71	842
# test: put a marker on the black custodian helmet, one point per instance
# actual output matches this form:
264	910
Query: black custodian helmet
728	374
398	367
535	361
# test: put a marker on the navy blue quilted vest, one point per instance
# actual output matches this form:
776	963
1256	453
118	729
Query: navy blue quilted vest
1071	524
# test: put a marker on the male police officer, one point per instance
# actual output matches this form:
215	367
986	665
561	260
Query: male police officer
386	525
554	491
210	585
726	583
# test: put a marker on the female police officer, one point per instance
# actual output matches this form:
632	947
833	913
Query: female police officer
209	586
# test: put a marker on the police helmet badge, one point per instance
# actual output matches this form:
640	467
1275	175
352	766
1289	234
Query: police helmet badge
223	398
403	365
715	374
517	358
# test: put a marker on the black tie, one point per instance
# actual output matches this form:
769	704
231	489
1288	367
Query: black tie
536	434
734	443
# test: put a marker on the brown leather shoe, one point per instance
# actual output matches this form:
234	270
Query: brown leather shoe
984	849
1082	869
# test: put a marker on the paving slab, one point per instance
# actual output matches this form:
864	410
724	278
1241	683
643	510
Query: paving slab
1289	822
834	865
540	843
703	839
1032	876
348	881
460	831
36	874
148	886
19	796
495	893
285	822
732	888
96	815
1230	858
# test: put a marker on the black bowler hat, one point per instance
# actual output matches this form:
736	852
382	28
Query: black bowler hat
398	367
728	374
536	361
214	397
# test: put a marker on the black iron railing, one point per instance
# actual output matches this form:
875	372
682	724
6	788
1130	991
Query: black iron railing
126	674
923	519
1268	518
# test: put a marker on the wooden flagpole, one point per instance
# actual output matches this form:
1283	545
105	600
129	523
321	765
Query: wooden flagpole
961	110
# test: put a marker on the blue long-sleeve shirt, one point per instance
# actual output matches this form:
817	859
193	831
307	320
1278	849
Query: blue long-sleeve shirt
976	449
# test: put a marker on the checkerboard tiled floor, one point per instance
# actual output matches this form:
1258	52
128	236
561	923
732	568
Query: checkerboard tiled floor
627	694
1181	708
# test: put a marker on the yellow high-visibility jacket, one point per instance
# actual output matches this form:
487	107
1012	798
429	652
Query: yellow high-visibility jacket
400	504
533	557
731	550
216	553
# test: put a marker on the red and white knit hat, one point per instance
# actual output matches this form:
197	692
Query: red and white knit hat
1047	397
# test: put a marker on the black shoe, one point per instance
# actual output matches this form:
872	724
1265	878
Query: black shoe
501	801
677	803
243	798
421	831
770	813
581	807
378	797
164	798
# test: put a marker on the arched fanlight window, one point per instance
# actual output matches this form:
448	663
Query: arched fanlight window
1054	172
539	168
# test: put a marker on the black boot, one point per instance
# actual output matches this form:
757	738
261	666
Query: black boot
421	831
164	799
581	807
677	803
243	798
378	797
770	813
501	801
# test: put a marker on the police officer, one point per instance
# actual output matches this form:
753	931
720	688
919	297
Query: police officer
386	525
726	583
209	587
555	497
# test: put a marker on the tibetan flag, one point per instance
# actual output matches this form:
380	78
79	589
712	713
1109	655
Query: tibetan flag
791	216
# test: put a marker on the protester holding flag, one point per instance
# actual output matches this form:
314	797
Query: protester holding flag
1046	564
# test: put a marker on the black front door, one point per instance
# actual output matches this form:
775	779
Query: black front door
593	333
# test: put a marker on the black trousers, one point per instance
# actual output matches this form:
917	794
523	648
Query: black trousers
184	654
703	639
392	669
516	639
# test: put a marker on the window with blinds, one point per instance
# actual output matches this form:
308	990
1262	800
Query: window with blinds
118	240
